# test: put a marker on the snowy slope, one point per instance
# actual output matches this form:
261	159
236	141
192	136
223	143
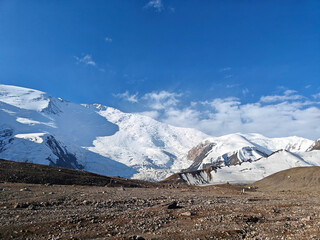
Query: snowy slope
292	144
141	142
94	138
249	172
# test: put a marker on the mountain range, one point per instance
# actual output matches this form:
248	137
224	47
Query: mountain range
39	128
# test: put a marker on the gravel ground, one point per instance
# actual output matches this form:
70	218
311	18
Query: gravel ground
37	211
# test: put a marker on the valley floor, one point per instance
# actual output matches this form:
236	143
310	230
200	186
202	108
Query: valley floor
36	211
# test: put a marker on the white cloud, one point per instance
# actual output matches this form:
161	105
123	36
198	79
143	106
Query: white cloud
274	116
245	91
87	59
316	95
108	39
288	95
161	100
126	96
232	85
226	69
152	114
228	76
155	4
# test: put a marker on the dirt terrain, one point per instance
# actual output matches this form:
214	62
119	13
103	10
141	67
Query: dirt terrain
18	172
50	211
294	179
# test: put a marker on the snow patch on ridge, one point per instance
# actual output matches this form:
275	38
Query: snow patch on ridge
24	98
33	137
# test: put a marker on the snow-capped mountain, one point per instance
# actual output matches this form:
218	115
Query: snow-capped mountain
245	158
249	172
39	128
234	149
36	127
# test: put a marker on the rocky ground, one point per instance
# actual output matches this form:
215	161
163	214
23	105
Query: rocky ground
34	205
44	211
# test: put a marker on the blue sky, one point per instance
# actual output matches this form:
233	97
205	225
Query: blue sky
205	64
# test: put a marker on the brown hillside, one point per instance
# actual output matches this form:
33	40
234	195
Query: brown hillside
17	172
294	179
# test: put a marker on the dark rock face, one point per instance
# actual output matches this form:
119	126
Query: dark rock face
316	146
52	108
201	151
198	153
5	137
65	158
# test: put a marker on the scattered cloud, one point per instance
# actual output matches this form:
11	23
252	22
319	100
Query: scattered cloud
128	97
87	59
161	100
308	86
287	96
152	114
232	85
155	4
245	91
172	9
316	95
286	114
228	76
108	39
226	69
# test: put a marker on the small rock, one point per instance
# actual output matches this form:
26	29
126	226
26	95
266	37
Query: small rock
31	207
25	189
188	214
86	202
306	219
20	205
121	189
173	205
138	238
2	189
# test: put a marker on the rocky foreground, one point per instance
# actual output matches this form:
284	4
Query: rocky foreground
34	205
39	211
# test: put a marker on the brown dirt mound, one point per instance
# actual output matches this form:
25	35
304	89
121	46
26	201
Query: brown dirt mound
294	179
41	174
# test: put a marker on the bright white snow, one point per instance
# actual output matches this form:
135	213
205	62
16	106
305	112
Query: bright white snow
24	98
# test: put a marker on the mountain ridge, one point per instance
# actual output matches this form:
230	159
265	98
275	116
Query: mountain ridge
37	127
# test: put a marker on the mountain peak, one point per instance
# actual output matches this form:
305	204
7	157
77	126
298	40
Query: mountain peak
24	98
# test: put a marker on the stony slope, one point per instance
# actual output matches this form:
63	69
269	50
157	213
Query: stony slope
294	179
